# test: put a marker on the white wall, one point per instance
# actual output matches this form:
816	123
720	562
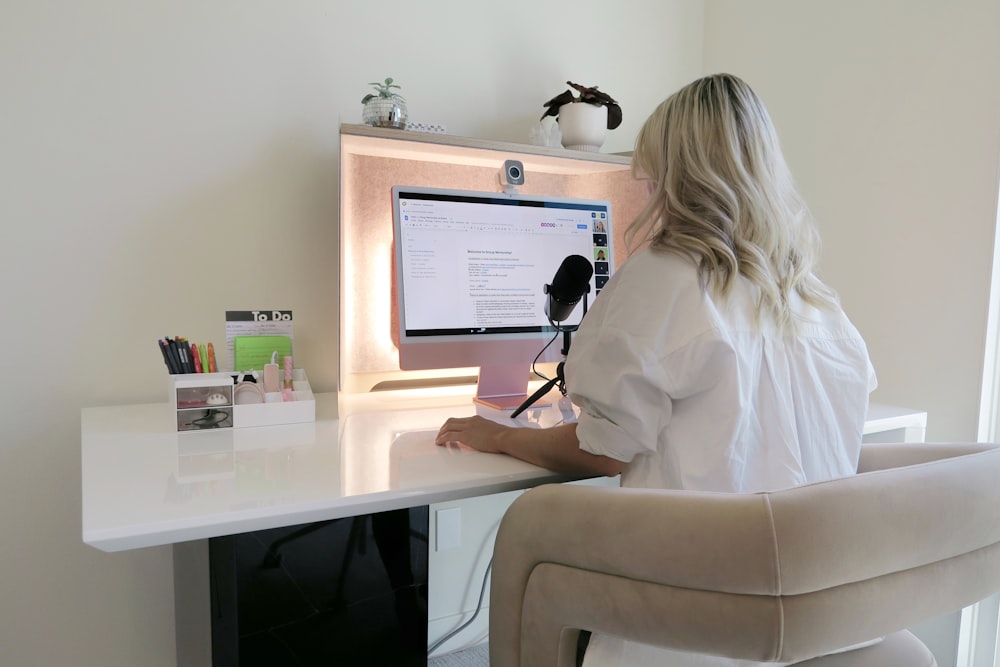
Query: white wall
889	113
164	161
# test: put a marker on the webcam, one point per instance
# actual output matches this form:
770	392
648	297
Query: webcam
512	174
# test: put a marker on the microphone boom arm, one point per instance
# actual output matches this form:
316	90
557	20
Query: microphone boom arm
560	378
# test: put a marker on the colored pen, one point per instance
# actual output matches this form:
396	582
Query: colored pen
179	346
196	358
166	356
174	356
182	345
159	344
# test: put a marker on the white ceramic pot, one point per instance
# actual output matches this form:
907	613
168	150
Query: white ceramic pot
583	126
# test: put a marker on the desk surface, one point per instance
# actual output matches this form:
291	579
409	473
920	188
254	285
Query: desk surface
145	485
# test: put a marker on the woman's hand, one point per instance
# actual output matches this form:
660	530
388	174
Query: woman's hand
477	432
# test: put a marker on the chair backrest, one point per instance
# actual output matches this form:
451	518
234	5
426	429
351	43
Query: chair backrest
780	576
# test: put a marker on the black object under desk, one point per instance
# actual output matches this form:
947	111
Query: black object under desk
350	591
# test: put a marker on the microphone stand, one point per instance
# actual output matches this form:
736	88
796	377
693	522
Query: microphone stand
560	378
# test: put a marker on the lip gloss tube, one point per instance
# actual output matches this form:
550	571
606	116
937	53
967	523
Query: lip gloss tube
287	384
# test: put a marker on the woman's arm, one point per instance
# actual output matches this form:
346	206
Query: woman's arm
555	448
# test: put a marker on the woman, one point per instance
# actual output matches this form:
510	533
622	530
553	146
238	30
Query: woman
714	359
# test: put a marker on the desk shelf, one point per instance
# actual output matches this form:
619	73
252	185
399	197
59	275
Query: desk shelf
372	160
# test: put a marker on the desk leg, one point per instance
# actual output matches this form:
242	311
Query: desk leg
192	604
223	583
346	591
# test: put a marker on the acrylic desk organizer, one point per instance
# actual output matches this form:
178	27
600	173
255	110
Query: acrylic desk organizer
203	401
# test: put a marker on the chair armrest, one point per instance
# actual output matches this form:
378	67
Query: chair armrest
584	541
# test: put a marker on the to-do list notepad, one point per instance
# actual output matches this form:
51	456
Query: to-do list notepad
256	323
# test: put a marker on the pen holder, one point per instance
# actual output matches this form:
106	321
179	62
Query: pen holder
204	401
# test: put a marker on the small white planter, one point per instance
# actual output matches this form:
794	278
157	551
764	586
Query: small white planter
583	126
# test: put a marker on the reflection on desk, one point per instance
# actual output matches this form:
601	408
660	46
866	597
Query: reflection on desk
405	439
145	484
235	462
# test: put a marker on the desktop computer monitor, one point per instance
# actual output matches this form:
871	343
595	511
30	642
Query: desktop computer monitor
471	272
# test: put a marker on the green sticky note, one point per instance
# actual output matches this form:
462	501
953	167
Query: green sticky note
252	352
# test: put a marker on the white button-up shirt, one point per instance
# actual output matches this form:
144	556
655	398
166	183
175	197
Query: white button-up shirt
697	393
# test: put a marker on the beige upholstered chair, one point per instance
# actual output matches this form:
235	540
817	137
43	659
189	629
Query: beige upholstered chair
783	576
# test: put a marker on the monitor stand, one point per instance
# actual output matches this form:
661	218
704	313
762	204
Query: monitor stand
504	387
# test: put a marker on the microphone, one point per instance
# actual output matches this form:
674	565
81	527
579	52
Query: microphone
570	283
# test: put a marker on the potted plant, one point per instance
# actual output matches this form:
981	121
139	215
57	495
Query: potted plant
584	119
385	107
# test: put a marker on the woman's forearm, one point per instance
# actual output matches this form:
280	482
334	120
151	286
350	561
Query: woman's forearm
556	449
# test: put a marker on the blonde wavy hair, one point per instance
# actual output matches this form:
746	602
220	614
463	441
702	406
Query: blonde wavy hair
722	194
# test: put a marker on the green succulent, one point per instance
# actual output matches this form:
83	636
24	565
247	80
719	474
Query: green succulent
383	90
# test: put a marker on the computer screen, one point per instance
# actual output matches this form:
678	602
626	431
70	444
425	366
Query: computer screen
471	272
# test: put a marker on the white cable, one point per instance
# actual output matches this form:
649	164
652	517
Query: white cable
479	606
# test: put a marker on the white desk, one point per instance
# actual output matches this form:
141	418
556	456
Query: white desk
144	485
890	423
